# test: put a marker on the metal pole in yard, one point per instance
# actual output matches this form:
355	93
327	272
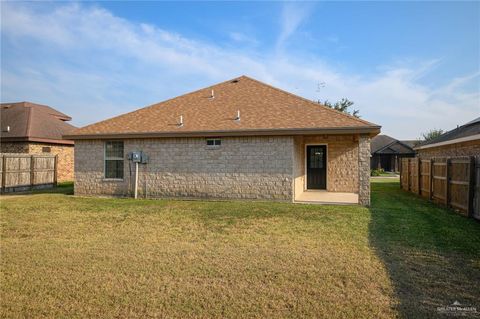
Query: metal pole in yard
136	180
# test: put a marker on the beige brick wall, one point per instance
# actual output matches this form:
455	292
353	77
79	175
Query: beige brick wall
243	167
64	152
471	148
342	162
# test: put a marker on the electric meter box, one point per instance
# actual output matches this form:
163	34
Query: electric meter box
138	157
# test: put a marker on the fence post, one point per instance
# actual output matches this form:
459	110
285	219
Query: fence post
471	186
55	167
4	171
32	171
419	177
430	184
447	181
408	174
400	170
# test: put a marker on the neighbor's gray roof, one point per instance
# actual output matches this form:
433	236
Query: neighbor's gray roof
25	121
384	144
411	143
469	129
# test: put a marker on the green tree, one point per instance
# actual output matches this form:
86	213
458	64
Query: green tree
343	106
432	134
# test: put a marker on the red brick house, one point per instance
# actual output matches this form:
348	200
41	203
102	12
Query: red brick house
37	129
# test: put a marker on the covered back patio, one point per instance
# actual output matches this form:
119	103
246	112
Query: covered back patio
330	169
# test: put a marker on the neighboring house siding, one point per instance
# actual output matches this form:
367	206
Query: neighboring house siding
64	152
471	148
242	168
19	147
65	158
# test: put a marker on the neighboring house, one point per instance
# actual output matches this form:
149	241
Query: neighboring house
37	129
462	141
240	139
387	151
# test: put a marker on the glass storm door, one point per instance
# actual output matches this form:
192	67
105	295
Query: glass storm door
316	167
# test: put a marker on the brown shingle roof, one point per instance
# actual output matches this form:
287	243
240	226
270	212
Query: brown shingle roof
25	121
263	109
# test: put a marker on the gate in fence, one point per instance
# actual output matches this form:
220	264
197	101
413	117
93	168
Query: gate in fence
451	181
21	172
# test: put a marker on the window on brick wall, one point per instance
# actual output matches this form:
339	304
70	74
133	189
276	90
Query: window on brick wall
114	159
46	149
214	142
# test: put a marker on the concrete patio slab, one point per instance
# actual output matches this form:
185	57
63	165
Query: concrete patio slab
324	197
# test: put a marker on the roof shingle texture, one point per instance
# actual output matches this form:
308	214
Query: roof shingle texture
261	106
30	121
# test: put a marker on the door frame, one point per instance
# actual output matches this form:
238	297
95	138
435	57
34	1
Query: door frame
305	166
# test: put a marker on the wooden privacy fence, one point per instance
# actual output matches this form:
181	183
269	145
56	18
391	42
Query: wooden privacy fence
20	172
451	181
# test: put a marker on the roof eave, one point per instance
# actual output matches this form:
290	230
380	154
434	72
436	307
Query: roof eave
449	142
371	130
36	139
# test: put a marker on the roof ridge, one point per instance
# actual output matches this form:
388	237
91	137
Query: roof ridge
310	101
386	146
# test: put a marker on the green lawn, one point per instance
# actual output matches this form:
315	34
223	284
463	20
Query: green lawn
63	256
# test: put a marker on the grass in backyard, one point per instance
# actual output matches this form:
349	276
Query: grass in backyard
64	256
431	253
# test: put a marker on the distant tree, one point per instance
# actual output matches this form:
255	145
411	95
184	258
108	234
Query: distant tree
343	106
432	134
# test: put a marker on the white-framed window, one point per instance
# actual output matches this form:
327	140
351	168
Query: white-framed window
214	142
114	159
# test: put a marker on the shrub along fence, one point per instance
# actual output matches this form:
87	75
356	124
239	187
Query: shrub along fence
21	172
451	181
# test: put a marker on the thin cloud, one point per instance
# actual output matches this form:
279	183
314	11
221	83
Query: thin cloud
241	37
93	65
293	15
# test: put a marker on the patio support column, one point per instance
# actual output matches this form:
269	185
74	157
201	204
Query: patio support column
364	170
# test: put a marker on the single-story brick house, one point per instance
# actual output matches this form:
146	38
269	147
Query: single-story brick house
387	151
461	141
240	139
30	128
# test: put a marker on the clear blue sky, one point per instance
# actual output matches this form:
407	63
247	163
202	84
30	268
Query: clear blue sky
408	66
